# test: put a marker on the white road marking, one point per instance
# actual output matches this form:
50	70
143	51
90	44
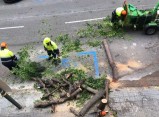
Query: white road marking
4	28
79	21
61	14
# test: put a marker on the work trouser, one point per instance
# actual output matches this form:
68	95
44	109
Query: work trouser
53	53
114	17
10	64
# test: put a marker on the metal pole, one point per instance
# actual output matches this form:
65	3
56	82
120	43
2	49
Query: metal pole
9	98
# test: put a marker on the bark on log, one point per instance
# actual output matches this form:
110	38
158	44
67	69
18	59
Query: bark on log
107	89
89	89
41	82
67	82
74	94
53	108
44	87
63	94
48	93
49	83
56	80
63	85
71	89
102	104
91	102
72	110
46	96
111	61
44	104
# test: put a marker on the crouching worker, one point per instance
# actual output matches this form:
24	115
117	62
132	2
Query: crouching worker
118	14
8	59
51	48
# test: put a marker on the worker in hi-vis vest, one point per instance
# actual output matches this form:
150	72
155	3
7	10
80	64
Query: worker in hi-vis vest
118	14
8	59
51	48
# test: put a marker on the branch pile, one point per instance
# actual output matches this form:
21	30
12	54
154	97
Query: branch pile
99	111
69	85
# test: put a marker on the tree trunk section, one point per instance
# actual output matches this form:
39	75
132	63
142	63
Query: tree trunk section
102	104
72	110
89	89
111	61
44	104
107	89
91	102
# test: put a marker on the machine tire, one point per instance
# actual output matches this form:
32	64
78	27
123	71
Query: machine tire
10	1
150	30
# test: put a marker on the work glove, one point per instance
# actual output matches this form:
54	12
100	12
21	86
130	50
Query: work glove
121	23
14	58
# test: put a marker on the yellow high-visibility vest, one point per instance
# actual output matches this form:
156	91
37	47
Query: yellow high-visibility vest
53	46
6	55
119	10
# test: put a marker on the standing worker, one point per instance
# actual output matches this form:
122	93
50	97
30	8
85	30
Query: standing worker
118	14
51	48
7	57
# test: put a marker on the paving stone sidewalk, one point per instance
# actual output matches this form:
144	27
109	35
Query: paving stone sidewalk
135	102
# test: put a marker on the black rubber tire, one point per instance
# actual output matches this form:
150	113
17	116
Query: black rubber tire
10	1
150	30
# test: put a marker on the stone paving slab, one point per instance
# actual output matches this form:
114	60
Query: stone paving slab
135	102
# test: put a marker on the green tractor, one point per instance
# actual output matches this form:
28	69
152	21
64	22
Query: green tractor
147	19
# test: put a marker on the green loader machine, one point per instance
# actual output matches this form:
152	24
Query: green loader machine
147	19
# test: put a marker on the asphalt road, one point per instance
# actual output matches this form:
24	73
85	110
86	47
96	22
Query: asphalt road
25	22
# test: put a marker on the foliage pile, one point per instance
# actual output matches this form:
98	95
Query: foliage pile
27	69
101	29
68	44
94	42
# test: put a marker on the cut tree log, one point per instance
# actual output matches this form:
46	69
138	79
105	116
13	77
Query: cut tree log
63	85
63	94
107	89
53	108
67	82
102	104
49	83
91	102
56	80
72	110
44	87
71	87
111	61
69	75
44	104
89	89
46	96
